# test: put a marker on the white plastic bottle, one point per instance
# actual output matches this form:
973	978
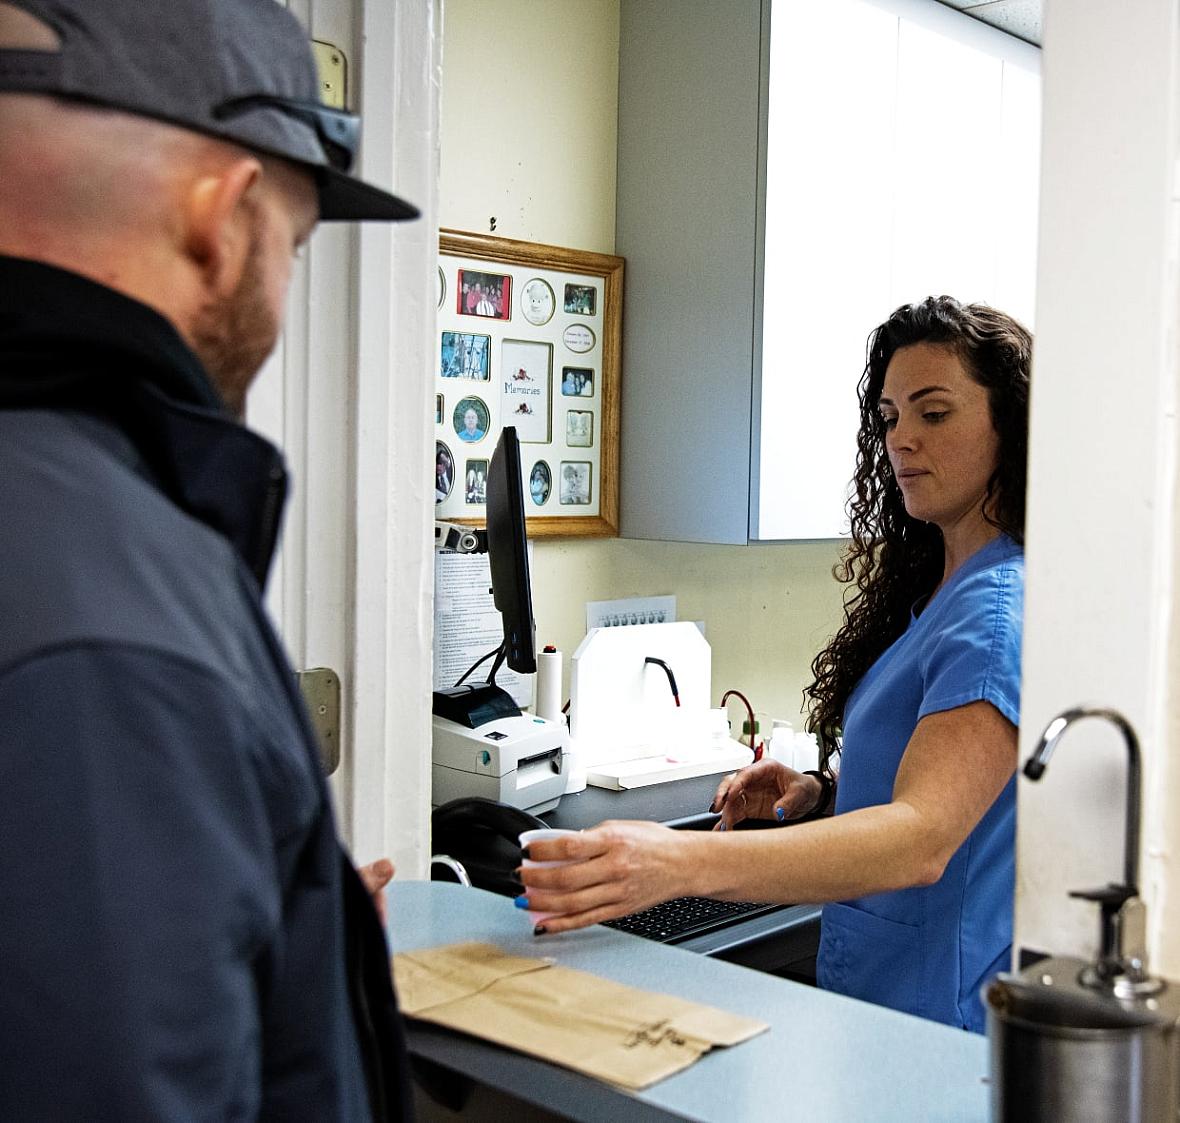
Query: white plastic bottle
719	733
782	736
805	752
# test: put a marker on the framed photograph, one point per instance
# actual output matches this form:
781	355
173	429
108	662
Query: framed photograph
581	300
464	355
577	382
579	428
444	472
484	294
575	482
540	483
470	420
535	332
476	478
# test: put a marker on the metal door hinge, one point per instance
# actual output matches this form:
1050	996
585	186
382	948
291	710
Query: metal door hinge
332	65
321	693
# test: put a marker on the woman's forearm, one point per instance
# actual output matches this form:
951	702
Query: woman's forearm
873	850
955	766
626	866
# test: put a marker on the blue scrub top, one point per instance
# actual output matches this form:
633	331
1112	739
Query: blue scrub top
927	950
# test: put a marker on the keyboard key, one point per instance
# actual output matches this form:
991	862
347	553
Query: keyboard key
682	917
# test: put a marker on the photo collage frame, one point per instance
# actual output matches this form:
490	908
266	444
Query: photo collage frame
528	335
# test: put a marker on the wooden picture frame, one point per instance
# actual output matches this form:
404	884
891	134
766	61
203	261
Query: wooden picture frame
554	315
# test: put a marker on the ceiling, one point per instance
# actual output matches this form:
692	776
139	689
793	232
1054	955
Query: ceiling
1021	18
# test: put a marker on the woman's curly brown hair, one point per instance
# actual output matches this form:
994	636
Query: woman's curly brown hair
893	559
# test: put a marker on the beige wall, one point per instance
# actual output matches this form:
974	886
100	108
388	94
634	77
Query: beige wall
529	107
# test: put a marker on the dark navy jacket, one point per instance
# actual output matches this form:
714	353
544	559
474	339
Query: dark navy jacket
180	935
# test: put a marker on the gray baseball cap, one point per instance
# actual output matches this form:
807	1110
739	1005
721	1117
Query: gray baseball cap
241	70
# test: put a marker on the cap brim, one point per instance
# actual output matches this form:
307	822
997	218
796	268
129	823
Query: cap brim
344	199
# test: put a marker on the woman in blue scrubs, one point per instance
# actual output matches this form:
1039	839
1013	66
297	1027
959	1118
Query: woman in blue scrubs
916	700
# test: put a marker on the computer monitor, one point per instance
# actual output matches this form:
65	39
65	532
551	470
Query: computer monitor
474	703
508	554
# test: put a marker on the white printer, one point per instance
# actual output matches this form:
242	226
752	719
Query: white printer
484	746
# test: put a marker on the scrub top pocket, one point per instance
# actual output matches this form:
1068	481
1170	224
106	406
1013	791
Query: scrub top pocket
868	957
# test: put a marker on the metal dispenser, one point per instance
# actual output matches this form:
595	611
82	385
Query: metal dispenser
1078	1042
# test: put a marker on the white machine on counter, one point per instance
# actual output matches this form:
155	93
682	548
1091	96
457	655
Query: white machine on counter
626	726
484	746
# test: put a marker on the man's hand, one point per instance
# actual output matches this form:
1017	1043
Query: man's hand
765	790
376	876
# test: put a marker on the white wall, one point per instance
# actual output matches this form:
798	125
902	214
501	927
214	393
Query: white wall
1101	547
528	137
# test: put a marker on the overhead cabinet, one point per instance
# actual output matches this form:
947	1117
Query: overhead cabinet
787	176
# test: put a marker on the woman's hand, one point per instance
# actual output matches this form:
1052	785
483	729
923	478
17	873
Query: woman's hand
616	868
767	789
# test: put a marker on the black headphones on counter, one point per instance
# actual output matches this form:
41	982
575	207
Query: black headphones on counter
480	836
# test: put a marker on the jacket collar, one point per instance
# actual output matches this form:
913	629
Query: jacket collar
69	343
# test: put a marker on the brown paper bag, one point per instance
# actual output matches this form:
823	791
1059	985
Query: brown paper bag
604	1029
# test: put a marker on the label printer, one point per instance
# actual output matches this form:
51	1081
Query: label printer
484	746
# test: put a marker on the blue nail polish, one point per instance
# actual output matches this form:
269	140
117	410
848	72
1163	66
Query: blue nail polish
779	814
521	902
540	930
722	827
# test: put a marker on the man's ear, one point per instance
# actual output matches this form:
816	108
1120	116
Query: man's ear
219	214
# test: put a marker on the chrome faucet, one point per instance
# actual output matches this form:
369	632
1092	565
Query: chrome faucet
1122	963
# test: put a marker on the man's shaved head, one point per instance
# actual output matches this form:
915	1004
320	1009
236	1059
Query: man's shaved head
76	181
198	228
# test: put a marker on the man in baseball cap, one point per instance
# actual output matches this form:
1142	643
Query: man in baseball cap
181	934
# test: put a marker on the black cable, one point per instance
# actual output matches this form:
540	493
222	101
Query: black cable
668	672
481	659
501	655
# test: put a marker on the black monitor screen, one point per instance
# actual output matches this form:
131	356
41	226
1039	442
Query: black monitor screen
508	553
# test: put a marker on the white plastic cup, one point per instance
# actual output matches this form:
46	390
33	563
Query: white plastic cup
525	839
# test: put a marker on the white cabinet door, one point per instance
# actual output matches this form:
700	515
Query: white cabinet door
830	198
901	162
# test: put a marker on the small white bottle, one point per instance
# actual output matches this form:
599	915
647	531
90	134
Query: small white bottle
782	736
805	752
717	725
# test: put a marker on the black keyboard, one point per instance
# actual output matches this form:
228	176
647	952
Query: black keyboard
683	917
